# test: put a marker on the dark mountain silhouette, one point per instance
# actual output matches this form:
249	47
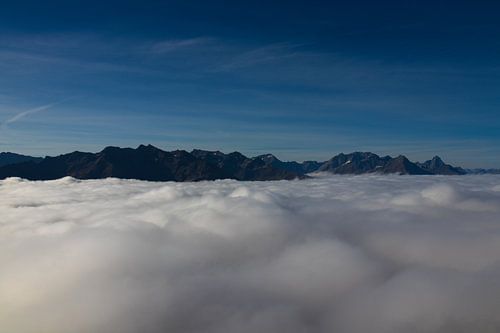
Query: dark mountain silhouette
354	163
154	164
311	166
402	165
148	163
301	168
437	166
365	162
480	171
12	158
273	161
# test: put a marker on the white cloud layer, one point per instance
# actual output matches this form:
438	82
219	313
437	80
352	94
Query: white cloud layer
331	254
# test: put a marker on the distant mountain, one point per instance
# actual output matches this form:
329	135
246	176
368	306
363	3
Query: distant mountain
482	171
401	165
12	158
301	168
154	164
273	161
365	162
149	163
438	167
311	166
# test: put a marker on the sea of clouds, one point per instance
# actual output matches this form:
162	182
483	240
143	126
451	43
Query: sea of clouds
330	254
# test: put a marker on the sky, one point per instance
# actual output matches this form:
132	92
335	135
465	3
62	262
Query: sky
300	79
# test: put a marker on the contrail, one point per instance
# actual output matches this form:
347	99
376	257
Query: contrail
28	112
23	114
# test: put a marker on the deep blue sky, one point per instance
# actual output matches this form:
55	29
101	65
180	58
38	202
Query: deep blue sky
301	79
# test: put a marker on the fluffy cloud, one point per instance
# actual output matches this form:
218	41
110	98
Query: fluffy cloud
330	254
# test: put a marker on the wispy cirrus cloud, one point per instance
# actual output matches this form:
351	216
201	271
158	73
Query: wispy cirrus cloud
265	83
260	55
168	46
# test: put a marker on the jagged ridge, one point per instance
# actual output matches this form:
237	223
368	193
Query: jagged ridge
154	164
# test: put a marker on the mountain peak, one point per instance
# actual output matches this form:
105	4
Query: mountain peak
110	149
267	158
402	165
437	166
437	159
148	162
147	147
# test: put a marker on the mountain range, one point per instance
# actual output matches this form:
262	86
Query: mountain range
153	164
480	171
11	158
